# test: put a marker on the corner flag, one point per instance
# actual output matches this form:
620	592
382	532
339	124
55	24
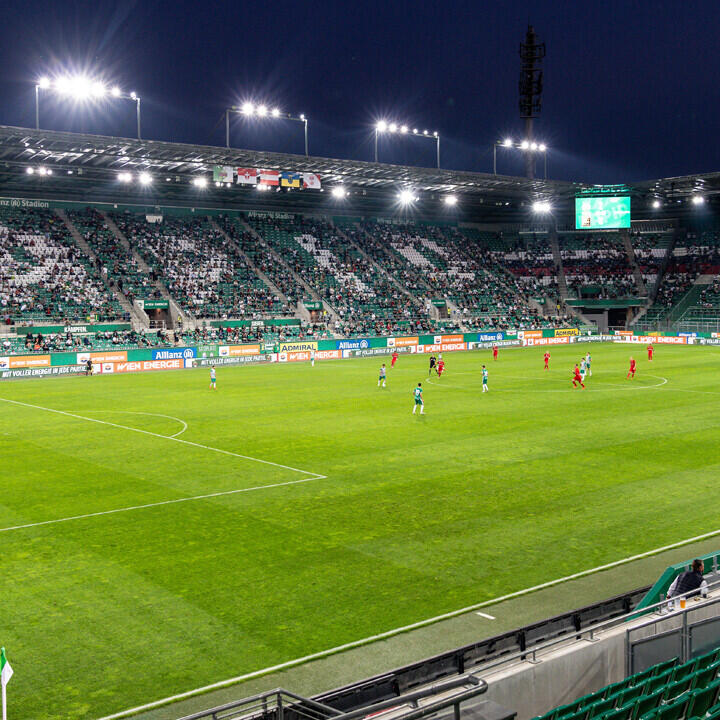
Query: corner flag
6	672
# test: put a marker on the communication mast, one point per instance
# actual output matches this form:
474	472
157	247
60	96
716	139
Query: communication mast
530	86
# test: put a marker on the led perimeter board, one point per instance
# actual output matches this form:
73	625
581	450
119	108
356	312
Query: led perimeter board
602	213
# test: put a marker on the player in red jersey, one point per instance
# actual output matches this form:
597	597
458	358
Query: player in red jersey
577	378
495	351
440	367
547	360
631	371
394	359
650	350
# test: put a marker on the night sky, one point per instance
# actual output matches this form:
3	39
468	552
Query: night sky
632	89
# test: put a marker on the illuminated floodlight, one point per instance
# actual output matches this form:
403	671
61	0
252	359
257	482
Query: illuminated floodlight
133	95
656	204
97	90
415	131
435	133
30	171
425	132
406	197
200	182
262	110
524	144
115	92
392	127
404	129
698	199
145	178
508	142
262	187
302	116
542	147
62	84
124	177
248	108
381	126
451	200
276	112
80	87
217	184
42	171
339	192
44	83
542	206
533	146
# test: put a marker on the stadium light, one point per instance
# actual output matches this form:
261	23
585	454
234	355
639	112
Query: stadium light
382	126
525	145
406	197
451	200
145	178
541	207
200	182
30	171
125	177
251	109
656	204
80	87
698	199
339	192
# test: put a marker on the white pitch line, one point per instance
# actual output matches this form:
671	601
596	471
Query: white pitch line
138	412
485	615
406	628
158	504
316	476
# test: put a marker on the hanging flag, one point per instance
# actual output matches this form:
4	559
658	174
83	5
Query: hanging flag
247	176
223	174
6	672
311	181
290	179
269	177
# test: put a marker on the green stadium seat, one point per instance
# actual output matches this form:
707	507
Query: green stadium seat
647	703
704	676
676	689
601	707
663	667
702	700
631	694
658	681
621	713
673	711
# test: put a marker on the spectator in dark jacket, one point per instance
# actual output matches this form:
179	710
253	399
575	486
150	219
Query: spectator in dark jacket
689	581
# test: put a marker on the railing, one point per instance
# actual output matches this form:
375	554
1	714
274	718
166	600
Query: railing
280	704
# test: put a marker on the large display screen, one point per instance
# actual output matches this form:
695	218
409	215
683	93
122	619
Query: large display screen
602	213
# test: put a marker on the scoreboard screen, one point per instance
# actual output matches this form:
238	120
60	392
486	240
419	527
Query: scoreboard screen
602	213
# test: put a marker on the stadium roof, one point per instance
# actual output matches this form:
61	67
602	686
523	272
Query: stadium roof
85	167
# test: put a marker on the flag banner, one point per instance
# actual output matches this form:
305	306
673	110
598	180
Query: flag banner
223	174
311	181
247	176
269	177
290	179
6	672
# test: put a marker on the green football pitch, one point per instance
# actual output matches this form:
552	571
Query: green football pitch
157	536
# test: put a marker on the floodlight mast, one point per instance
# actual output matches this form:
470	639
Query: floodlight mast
249	109
530	86
382	126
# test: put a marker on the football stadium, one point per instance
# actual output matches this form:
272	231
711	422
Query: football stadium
287	436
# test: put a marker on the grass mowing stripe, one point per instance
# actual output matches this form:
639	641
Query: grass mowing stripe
158	504
406	628
316	476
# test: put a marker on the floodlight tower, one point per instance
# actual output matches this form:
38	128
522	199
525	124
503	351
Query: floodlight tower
531	83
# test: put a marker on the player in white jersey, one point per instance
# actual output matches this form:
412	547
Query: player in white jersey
381	378
312	358
213	386
583	369
588	359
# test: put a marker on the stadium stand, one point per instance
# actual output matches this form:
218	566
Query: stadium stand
44	275
666	691
203	273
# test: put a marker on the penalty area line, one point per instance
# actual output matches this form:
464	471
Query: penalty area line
316	476
159	503
397	631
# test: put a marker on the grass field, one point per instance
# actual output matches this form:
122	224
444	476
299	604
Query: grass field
380	519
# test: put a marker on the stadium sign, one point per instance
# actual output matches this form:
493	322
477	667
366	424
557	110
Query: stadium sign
141	366
564	332
284	347
238	350
21	361
534	341
153	304
402	341
23	203
175	353
207	362
100	357
361	344
42	371
73	329
490	337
